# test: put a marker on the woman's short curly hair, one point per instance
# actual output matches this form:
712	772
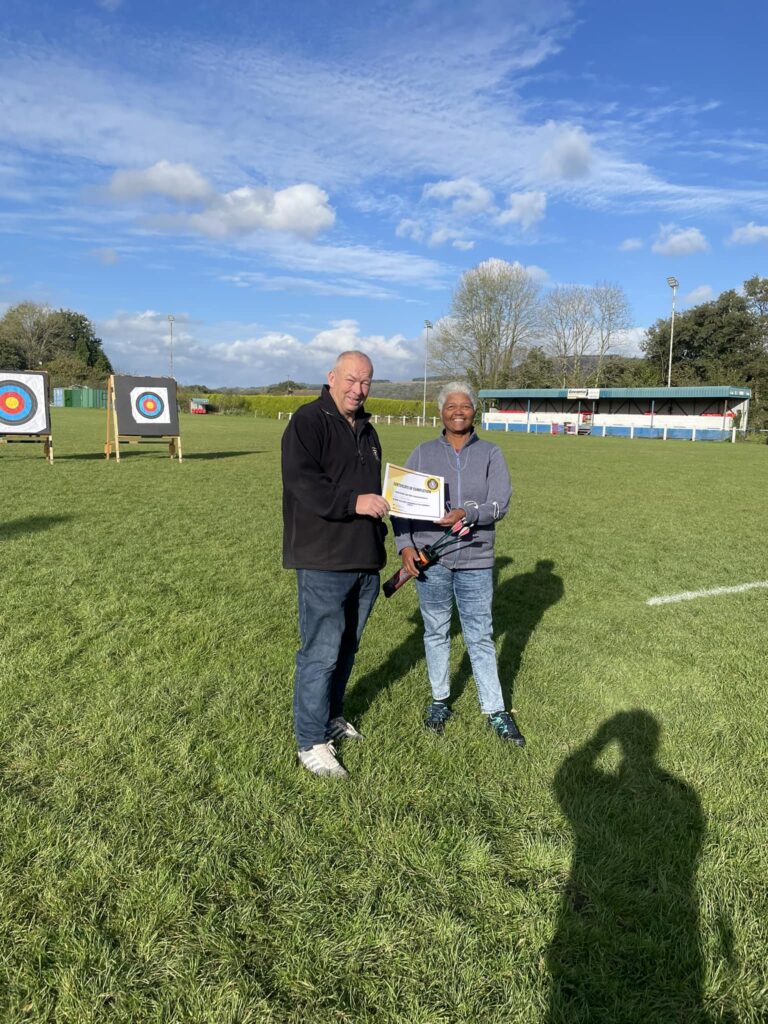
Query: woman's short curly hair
456	386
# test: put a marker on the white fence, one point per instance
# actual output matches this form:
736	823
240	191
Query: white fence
415	421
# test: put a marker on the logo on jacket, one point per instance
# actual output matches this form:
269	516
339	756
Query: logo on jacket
375	451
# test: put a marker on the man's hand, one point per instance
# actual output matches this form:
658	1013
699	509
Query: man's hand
451	518
411	563
371	505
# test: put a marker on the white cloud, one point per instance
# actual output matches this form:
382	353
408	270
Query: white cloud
174	181
409	228
300	209
524	208
442	235
309	286
107	257
538	274
358	261
627	342
468	196
246	354
630	244
277	355
568	152
749	234
675	241
701	294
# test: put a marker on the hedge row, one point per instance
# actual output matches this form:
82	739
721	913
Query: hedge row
271	405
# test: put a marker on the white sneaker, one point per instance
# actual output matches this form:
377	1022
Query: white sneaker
321	760
340	729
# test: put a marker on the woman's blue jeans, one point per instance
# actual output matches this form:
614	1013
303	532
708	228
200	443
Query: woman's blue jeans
333	610
472	590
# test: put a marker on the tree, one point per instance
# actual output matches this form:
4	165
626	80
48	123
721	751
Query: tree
31	328
536	370
569	326
611	312
717	342
11	357
494	314
34	336
724	341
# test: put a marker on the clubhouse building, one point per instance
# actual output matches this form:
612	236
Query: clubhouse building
690	414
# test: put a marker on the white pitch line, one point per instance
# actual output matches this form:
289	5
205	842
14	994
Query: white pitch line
691	595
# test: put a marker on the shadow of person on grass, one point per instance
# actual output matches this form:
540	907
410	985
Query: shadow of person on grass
627	946
518	605
222	455
30	524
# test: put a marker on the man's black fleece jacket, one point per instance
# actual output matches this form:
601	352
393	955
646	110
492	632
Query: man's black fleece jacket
326	465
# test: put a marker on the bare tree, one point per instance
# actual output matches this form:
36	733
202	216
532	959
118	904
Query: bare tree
580	322
612	314
494	315
569	329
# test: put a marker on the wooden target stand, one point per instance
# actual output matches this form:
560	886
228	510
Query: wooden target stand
45	439
114	437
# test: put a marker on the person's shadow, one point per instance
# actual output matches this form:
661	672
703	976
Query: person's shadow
627	946
518	605
30	524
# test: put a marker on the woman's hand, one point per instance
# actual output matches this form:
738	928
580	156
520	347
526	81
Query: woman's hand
411	564
451	518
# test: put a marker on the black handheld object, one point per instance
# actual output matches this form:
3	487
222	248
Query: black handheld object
427	556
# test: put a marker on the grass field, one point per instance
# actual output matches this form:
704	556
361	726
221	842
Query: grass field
164	860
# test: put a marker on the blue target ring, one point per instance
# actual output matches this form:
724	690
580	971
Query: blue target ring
150	405
18	403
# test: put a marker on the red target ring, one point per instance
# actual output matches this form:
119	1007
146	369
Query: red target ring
18	403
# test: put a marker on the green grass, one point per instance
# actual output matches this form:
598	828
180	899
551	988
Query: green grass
164	860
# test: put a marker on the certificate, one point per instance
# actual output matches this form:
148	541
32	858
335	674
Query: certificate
414	495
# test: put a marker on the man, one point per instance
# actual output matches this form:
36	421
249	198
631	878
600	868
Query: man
333	536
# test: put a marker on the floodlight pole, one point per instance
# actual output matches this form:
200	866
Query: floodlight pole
674	285
427	329
171	318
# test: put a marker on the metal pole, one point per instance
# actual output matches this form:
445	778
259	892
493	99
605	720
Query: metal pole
427	329
673	284
170	359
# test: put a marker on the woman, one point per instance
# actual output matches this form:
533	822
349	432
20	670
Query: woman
478	489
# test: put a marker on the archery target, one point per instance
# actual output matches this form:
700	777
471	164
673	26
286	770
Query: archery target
146	406
23	404
150	405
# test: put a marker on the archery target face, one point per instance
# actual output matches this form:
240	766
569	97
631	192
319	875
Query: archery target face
145	406
23	404
150	405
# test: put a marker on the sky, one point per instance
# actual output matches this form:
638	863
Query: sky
291	179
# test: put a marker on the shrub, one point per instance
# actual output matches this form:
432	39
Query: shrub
270	405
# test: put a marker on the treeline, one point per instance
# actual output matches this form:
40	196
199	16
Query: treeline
270	405
504	331
37	337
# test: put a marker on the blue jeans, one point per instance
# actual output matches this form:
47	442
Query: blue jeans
333	610
473	591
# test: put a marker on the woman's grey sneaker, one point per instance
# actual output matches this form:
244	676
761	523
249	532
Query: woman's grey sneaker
438	714
321	760
340	729
505	727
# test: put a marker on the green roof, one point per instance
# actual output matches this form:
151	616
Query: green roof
702	392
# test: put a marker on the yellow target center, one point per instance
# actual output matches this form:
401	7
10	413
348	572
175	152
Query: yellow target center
13	403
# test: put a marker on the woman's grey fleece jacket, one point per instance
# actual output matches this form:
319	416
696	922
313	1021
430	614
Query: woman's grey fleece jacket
477	480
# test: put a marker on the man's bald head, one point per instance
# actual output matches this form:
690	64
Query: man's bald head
353	354
350	381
